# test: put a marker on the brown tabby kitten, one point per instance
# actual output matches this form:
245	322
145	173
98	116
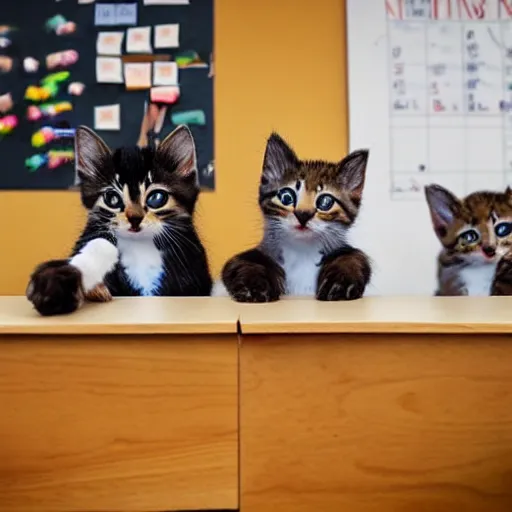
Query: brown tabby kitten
308	207
476	233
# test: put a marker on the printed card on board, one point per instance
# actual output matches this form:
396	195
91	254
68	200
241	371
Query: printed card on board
138	40
126	14
165	73
137	75
107	117
109	70
109	43
166	2
104	14
167	36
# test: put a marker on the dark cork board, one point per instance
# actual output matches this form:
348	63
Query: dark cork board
32	40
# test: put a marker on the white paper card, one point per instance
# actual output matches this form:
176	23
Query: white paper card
109	70
109	43
104	14
167	36
138	40
126	14
165	73
137	75
86	1
107	117
166	2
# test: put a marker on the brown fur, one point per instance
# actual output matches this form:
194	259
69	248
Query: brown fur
479	214
99	293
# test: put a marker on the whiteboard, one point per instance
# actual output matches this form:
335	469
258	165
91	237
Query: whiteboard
430	94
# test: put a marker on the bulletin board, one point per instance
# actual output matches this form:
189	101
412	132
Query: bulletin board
23	27
430	93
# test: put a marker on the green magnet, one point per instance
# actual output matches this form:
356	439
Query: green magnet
189	117
56	78
55	21
35	162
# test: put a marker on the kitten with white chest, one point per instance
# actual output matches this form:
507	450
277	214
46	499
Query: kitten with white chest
139	238
308	208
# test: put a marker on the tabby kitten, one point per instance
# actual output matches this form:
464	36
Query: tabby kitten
476	233
308	208
139	238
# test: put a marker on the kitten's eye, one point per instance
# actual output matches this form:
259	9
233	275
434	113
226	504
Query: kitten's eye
287	196
113	199
157	199
470	236
503	229
325	202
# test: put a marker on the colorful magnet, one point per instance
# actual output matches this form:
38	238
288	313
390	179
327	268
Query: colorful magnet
61	59
36	93
66	29
48	110
189	117
7	124
58	157
165	94
5	64
190	59
6	102
4	42
76	88
30	65
55	22
48	134
6	29
60	76
35	162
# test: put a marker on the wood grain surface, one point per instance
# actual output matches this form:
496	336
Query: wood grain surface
376	423
118	424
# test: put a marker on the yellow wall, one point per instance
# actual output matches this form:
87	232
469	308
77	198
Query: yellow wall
280	65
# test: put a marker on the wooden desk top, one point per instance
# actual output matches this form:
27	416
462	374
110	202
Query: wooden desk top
380	315
149	315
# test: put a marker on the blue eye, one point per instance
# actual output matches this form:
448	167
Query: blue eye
470	236
287	196
113	199
503	229
157	199
325	202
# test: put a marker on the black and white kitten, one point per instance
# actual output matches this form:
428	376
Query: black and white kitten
139	238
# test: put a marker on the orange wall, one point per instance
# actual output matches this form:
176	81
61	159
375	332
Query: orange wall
280	65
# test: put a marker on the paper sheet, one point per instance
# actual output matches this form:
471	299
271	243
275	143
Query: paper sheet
138	40
165	73
126	14
167	36
109	70
137	75
109	43
166	2
107	117
86	1
104	14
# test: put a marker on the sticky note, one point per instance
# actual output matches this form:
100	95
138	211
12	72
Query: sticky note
109	70
126	14
107	117
165	73
86	1
138	40
166	2
137	75
104	14
167	36
109	43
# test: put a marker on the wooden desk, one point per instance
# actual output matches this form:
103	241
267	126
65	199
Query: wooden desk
378	405
126	406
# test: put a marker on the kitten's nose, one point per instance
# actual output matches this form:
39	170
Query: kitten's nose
303	216
135	221
489	251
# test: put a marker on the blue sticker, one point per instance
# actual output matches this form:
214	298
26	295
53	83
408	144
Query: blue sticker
126	14
105	14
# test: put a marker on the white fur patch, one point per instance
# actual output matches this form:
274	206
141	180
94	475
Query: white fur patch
142	262
478	279
219	290
96	259
301	265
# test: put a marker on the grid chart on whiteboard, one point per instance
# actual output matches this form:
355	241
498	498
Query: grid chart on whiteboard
450	71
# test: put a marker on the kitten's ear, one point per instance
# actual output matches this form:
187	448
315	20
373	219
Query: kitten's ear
279	157
90	153
443	207
178	150
352	172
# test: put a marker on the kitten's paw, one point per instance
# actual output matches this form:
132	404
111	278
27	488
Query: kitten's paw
336	286
254	289
100	293
55	288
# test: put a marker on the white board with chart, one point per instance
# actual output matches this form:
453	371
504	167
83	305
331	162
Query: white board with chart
430	93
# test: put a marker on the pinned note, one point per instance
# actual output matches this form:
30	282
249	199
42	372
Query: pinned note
126	14
109	43
165	73
138	40
107	117
167	36
109	70
104	14
166	2
137	75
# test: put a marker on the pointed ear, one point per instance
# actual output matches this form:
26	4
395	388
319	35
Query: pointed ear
91	153
279	157
443	207
178	152
352	172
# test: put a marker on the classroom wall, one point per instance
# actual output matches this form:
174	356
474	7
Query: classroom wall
280	65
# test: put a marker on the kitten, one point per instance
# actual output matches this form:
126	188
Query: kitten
139	238
308	208
475	232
